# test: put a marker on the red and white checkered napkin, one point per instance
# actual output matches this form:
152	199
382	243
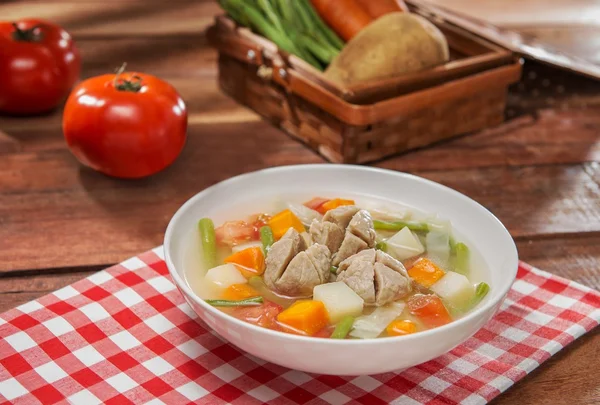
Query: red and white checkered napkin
125	335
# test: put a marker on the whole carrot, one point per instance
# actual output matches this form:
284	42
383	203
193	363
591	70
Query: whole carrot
377	8
346	17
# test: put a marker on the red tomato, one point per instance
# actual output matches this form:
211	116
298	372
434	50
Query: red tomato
126	125
39	64
233	233
264	315
315	203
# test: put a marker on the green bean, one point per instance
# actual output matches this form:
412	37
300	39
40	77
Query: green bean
398	225
461	258
266	237
262	25
248	302
322	28
303	16
481	291
333	269
343	328
381	246
209	242
322	53
272	16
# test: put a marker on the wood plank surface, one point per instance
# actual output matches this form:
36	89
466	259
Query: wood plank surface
539	172
117	19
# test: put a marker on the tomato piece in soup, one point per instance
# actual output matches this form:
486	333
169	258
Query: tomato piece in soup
315	203
264	315
234	233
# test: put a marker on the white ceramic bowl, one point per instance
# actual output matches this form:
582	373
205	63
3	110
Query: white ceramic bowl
482	230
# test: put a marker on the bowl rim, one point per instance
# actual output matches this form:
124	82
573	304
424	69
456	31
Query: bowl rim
512	260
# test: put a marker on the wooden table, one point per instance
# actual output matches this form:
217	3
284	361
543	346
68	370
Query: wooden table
539	172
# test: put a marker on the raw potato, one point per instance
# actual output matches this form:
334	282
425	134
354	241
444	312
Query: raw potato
392	45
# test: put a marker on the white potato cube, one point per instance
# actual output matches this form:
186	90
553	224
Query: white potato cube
455	289
224	276
339	299
404	245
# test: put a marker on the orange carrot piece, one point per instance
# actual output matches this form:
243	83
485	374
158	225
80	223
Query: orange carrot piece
425	272
307	316
401	327
236	292
335	203
283	221
378	8
250	262
430	309
346	17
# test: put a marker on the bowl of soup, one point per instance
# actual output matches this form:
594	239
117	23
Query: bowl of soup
339	269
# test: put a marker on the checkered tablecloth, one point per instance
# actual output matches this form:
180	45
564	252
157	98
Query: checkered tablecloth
125	335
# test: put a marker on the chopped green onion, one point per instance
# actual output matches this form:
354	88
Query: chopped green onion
333	269
343	328
248	302
481	291
381	246
398	225
209	242
461	258
266	237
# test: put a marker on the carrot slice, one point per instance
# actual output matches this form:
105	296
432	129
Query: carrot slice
307	316
401	327
236	292
425	272
250	262
430	309
283	221
332	204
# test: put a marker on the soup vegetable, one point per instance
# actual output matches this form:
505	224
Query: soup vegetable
331	269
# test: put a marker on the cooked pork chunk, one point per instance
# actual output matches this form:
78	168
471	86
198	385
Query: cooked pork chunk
360	235
341	216
376	276
294	270
328	234
345	231
351	245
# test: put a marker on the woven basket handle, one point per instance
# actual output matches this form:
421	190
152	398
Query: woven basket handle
235	45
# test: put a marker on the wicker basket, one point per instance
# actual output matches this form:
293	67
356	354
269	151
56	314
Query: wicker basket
367	123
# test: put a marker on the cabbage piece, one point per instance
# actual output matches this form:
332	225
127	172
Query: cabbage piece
304	214
404	245
371	326
438	246
436	224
